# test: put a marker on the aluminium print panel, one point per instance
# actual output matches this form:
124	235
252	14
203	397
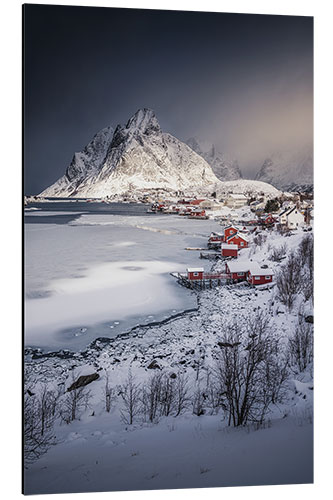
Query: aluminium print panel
168	249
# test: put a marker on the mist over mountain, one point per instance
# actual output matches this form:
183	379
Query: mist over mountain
225	168
290	170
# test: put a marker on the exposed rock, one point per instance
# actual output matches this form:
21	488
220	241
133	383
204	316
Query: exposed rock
82	381
154	365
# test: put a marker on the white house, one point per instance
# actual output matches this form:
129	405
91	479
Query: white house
236	200
292	218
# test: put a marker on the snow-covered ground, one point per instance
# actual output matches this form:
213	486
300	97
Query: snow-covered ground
99	454
73	264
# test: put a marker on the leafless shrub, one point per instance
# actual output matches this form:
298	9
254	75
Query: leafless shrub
198	401
167	395
288	281
260	239
305	254
131	396
182	398
151	396
39	416
247	369
74	402
301	344
278	253
109	393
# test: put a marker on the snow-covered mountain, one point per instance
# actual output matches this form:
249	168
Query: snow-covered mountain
225	168
135	156
288	170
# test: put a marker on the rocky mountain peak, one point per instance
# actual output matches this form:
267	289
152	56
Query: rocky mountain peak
144	121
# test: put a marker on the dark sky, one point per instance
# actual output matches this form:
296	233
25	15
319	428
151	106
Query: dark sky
241	81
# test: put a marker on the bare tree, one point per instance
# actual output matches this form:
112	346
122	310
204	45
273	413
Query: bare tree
305	254
260	239
109	393
74	402
249	355
198	400
151	396
182	398
38	424
301	344
212	393
167	395
278	253
46	404
288	281
131	396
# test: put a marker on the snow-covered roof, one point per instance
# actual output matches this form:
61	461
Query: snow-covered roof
240	235
237	196
216	234
256	270
291	210
195	269
229	246
231	225
239	267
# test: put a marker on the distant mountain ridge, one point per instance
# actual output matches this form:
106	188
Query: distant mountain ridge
137	155
224	168
289	171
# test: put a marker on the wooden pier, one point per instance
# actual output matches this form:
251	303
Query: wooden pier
209	280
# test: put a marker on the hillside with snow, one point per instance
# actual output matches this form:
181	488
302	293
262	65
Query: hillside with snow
183	437
136	156
249	188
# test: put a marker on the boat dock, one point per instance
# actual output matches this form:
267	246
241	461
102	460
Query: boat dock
208	280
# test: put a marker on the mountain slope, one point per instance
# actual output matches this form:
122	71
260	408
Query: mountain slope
223	167
84	165
288	170
138	156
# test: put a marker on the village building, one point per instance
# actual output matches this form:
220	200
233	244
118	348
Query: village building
229	250
238	239
195	273
237	270
283	216
198	213
230	230
249	271
291	217
236	200
258	276
295	218
267	219
216	237
210	205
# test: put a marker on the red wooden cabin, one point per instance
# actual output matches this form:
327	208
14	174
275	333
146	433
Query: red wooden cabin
258	276
237	270
196	202
229	250
268	219
229	230
238	239
216	237
195	273
198	213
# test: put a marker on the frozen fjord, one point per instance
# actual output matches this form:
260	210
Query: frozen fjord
99	274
